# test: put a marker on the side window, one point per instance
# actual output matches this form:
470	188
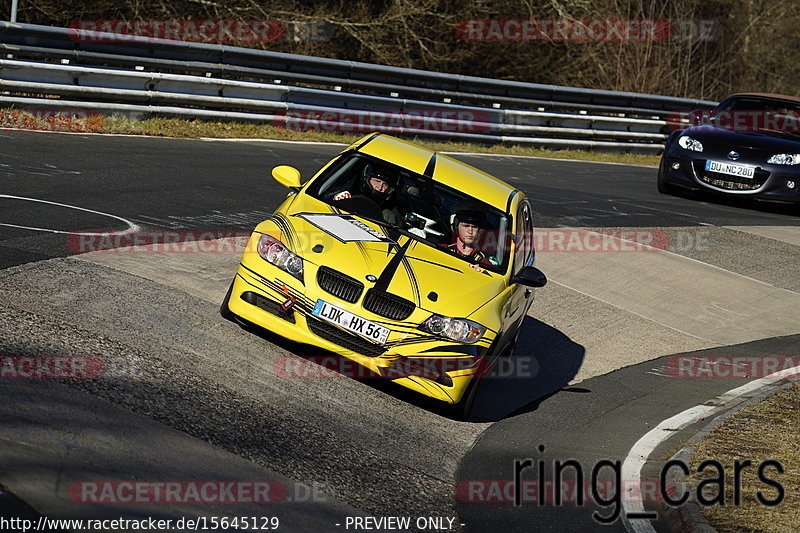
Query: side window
524	237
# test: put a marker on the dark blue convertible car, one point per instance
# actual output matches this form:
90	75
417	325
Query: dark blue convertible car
748	146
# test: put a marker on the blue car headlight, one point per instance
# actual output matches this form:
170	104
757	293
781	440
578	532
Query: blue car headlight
274	251
784	159
457	329
688	143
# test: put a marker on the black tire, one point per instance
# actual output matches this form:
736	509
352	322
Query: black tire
463	408
663	188
224	310
510	349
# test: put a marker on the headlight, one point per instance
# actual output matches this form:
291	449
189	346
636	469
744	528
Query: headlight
458	329
784	159
687	143
275	252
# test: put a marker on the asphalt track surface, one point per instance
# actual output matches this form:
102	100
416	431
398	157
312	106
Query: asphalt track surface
592	363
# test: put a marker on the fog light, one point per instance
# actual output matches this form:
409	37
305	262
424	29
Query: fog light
790	184
676	165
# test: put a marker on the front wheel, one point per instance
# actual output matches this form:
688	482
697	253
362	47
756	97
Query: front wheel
224	310
663	187
463	408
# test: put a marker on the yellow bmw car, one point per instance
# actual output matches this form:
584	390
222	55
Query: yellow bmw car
412	264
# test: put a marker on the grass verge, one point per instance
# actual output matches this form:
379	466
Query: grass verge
193	129
768	429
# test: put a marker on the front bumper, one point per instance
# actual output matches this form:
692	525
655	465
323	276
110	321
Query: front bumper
771	182
259	289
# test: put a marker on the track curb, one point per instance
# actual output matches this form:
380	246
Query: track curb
689	517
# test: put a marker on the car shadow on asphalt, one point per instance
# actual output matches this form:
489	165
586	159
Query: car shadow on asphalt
544	361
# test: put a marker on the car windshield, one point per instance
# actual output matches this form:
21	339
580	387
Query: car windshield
419	207
754	114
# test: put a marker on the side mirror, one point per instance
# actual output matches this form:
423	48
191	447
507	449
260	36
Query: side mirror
530	277
287	176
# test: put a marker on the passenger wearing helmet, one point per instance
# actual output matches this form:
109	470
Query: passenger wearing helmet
468	224
378	184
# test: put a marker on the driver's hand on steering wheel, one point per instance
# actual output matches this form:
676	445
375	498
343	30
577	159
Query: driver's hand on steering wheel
344	195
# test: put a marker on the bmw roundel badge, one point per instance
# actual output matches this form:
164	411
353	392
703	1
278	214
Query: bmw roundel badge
371	278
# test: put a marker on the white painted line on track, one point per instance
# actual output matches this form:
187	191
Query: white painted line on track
478	154
483	154
260	140
653	208
663	251
132	228
640	452
779	233
321	143
140	136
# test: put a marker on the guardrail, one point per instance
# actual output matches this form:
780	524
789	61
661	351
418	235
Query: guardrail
143	77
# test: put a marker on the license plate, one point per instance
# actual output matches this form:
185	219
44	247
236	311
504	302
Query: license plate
730	168
352	323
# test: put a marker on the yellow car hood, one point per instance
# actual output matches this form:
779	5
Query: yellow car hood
433	279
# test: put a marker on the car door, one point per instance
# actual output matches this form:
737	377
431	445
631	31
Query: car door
519	302
523	256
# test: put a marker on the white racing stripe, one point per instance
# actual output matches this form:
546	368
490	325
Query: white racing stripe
640	452
344	228
132	228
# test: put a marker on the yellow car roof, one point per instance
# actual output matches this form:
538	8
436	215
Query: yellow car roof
446	170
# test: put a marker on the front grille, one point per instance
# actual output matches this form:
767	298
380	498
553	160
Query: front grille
728	182
388	305
340	285
270	306
346	340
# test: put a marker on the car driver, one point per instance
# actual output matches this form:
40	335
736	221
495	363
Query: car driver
377	183
468	225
